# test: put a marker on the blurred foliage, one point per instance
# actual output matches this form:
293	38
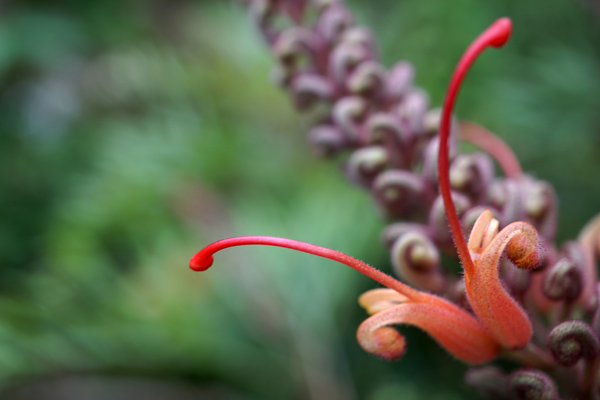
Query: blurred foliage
132	133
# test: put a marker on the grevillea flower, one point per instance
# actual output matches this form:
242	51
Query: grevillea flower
501	315
499	321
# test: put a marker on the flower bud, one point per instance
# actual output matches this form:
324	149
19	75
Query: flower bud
438	222
471	174
327	140
392	232
348	113
431	122
344	58
384	129
430	157
412	111
367	79
381	125
308	89
563	281
531	385
490	382
504	194
571	341
366	163
294	44
358	35
416	260
399	192
540	205
517	279
333	21
399	81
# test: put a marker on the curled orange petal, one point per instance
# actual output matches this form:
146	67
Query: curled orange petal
501	315
453	328
377	300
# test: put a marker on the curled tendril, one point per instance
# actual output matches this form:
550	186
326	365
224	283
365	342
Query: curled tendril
399	192
563	280
571	341
532	385
366	163
416	260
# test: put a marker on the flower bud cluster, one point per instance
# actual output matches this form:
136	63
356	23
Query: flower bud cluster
388	130
328	65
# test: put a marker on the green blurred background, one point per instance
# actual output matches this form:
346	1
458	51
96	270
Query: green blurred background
134	132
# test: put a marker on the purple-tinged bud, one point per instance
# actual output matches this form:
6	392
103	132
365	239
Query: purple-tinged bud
430	159
348	114
295	43
571	341
367	79
382	128
489	382
438	221
333	21
308	89
431	122
412	111
574	251
327	140
540	205
366	163
430	156
531	385
358	35
471	174
563	280
399	81
392	232
344	58
517	279
399	192
416	260
504	194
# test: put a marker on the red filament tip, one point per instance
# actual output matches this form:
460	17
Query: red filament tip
496	35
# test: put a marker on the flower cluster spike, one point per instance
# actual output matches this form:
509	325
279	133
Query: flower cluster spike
546	320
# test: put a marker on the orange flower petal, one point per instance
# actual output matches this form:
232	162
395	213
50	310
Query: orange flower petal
501	315
453	328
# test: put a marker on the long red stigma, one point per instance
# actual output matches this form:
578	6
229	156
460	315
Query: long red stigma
496	35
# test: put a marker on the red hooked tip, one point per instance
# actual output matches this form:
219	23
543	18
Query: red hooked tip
499	32
201	262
